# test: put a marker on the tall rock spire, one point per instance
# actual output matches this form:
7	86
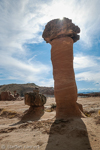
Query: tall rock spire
61	34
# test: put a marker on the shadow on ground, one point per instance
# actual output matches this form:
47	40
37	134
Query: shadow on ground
68	134
32	114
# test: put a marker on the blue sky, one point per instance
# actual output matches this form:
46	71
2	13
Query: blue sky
25	56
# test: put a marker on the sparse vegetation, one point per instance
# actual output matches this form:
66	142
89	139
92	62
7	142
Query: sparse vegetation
89	113
48	110
8	113
53	106
15	120
99	112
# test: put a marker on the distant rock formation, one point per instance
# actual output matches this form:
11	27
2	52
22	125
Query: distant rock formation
16	95
46	90
61	34
24	88
7	96
93	94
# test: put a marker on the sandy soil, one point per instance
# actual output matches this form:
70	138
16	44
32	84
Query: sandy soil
46	133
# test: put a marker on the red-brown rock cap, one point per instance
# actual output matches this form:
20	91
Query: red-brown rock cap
60	28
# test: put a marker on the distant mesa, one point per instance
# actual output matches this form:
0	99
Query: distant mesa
90	94
21	89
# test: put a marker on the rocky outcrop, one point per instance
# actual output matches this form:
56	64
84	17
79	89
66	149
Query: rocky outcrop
46	90
35	99
36	102
26	88
61	34
7	96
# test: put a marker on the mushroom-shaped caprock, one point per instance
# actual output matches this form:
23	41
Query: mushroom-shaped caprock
61	34
60	28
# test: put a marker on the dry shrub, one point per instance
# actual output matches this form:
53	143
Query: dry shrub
89	113
8	114
99	112
53	106
48	110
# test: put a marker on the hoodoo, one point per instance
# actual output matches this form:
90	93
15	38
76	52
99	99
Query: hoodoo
61	34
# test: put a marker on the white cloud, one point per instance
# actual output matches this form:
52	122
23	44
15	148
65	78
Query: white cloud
47	82
81	61
24	71
20	25
22	22
87	68
88	76
85	14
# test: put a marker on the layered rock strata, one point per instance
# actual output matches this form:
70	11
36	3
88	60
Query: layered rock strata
61	34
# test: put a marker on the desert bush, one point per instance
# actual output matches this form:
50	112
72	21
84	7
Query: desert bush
99	112
48	110
53	106
89	113
8	114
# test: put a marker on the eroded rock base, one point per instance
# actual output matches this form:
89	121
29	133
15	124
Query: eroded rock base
33	113
68	111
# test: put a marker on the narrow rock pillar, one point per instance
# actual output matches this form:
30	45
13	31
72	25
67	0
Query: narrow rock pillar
61	34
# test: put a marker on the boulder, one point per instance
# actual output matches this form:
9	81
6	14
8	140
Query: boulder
36	102
7	96
35	99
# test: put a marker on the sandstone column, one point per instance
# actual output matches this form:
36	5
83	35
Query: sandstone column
61	34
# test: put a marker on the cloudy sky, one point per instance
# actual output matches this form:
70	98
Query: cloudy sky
25	56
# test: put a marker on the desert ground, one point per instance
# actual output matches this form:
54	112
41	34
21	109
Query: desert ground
23	132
